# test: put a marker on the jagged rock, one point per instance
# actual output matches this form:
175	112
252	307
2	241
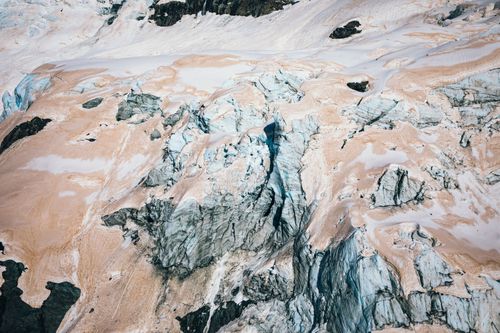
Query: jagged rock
475	97
28	128
493	177
346	31
24	94
113	11
143	104
120	217
432	270
442	176
94	102
395	188
358	86
459	10
18	316
167	14
280	87
196	322
155	135
465	140
173	119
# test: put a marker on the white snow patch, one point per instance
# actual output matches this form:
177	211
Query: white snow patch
373	161
210	78
67	194
57	164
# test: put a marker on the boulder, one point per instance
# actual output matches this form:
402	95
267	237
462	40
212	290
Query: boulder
346	31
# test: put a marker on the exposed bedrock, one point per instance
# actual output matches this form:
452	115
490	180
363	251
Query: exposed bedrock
346	31
28	128
92	103
144	105
169	13
358	86
18	316
459	10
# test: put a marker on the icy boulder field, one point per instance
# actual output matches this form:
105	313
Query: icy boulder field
315	166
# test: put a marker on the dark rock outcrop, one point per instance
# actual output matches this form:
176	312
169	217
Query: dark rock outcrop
195	322
155	135
358	86
94	102
346	31
465	139
23	130
167	14
459	10
18	316
113	11
142	104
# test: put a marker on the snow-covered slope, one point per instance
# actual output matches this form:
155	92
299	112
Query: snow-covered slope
220	175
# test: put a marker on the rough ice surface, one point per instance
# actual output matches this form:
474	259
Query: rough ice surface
24	94
395	187
220	174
